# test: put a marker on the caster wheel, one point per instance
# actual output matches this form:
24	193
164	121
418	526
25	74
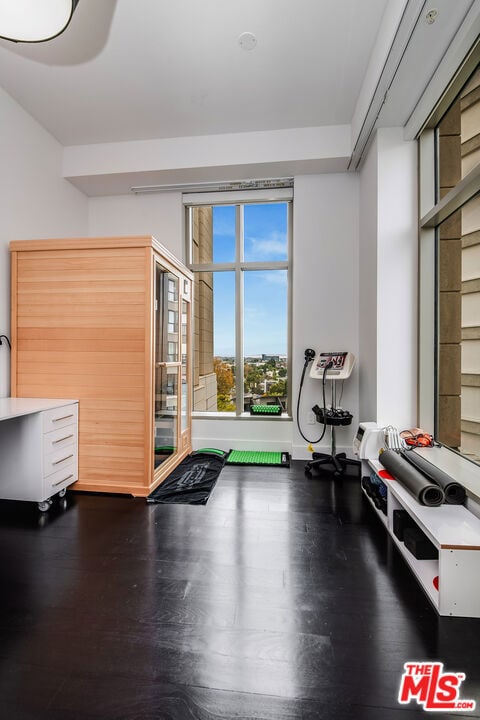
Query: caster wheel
62	493
43	506
308	469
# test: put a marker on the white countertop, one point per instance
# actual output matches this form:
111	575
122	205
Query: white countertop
15	407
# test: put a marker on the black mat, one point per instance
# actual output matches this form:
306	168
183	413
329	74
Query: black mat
192	481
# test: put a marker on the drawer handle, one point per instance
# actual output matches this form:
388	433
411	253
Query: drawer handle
57	462
54	442
62	481
64	417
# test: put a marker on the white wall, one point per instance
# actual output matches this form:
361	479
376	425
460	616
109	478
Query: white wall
242	434
325	293
36	201
397	280
158	214
113	168
388	281
368	287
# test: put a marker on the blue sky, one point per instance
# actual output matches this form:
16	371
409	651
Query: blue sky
265	293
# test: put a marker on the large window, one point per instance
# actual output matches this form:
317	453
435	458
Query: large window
450	271
239	252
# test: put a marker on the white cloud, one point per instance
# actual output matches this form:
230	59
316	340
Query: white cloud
274	244
274	277
224	229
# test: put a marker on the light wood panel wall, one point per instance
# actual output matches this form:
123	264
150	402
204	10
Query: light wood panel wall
81	325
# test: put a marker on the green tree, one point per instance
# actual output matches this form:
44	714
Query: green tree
224	403
278	388
225	378
253	377
225	385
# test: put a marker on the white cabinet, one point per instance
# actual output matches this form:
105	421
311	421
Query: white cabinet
451	582
38	448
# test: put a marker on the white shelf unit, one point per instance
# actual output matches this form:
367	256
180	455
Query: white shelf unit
455	532
380	514
38	448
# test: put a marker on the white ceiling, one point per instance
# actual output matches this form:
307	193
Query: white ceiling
132	87
142	69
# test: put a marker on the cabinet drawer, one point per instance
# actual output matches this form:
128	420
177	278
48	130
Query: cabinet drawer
58	439
59	417
59	459
60	479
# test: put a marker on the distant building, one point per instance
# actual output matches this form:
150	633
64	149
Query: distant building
266	358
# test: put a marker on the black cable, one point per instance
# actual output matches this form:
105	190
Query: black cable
6	338
308	359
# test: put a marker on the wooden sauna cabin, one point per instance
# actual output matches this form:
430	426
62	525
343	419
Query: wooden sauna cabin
107	321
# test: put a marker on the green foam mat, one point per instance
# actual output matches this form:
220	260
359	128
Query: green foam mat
265	409
258	457
210	451
165	449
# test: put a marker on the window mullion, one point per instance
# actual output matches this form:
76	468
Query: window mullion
272	265
212	267
458	196
289	301
239	245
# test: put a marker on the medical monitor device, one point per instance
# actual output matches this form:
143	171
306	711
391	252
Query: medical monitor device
369	439
335	365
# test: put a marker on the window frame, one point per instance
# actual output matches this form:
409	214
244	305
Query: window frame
239	266
432	212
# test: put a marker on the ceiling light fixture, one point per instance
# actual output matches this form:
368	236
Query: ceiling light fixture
31	21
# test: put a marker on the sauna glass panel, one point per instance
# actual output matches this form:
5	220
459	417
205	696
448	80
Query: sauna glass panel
184	366
166	410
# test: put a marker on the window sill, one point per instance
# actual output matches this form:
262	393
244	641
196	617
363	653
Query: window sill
244	416
464	471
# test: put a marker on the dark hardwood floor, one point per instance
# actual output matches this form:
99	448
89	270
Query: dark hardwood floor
281	598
